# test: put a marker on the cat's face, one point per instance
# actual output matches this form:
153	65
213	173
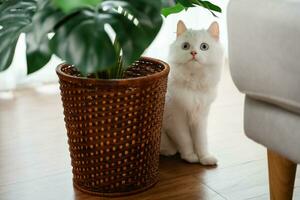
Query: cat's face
196	47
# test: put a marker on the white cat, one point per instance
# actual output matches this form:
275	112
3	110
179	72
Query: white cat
196	59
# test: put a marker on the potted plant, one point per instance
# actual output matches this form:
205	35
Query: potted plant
113	100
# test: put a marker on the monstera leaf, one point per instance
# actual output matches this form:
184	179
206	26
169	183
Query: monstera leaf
38	52
15	18
172	7
81	38
67	5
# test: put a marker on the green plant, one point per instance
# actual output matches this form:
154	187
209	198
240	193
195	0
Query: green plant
80	31
171	7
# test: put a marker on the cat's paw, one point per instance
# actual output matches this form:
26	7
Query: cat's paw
191	158
208	160
168	152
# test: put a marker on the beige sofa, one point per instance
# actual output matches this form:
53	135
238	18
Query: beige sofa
264	55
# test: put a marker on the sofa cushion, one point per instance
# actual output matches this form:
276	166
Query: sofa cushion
273	127
264	50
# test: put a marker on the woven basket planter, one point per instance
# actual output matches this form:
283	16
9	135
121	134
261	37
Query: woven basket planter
114	128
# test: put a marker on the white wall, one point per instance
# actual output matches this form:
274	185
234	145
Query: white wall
195	18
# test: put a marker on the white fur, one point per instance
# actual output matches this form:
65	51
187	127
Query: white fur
192	88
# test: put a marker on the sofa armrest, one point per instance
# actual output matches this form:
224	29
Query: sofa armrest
264	50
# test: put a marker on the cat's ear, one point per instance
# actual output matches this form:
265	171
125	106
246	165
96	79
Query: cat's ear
214	30
181	28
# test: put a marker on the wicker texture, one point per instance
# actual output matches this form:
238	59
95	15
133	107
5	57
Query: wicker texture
114	128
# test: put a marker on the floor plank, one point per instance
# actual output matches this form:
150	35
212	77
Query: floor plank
35	163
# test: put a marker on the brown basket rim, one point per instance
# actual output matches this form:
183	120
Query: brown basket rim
136	80
117	194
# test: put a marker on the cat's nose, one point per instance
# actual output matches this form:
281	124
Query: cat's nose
193	53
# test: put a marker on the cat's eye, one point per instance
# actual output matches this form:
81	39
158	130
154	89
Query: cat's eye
204	46
186	46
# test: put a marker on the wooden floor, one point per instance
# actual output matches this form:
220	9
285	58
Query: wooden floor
35	163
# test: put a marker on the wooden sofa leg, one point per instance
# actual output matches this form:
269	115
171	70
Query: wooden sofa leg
281	176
